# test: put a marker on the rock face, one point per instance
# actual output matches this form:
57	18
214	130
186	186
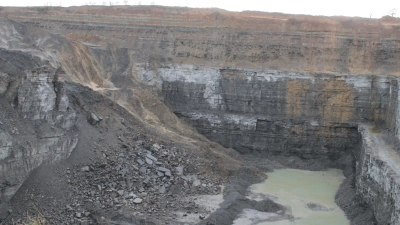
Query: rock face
35	127
278	112
377	176
313	116
220	38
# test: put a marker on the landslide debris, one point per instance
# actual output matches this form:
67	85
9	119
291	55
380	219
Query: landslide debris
120	170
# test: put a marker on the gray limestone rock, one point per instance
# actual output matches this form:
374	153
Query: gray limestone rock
140	161
163	169
162	190
85	169
149	161
156	147
146	181
196	183
132	195
143	169
93	119
179	170
137	200
151	157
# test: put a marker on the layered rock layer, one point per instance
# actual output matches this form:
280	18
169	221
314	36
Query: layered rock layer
277	112
377	176
35	127
220	38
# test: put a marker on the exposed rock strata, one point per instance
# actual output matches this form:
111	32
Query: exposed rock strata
220	38
312	116
277	112
377	176
45	132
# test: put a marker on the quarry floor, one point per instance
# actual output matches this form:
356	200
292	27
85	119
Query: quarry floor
61	192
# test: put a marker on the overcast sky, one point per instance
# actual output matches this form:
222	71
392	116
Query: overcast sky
362	8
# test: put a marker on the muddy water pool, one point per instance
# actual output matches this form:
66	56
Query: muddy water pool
309	196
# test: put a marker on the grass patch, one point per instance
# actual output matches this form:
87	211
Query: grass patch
375	129
34	220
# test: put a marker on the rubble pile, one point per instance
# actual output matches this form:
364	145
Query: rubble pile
150	181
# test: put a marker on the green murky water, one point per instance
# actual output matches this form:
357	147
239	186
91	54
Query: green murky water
297	188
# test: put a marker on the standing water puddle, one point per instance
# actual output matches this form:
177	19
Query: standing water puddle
309	195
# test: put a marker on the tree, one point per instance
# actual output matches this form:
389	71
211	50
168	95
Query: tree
392	12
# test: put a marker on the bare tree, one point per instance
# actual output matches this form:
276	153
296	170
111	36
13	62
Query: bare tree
392	12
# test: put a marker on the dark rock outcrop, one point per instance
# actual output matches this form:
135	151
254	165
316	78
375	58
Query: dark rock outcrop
33	129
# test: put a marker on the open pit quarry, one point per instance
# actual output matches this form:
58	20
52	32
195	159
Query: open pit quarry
140	115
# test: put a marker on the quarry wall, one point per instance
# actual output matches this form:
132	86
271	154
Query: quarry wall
377	176
277	112
36	126
310	115
219	38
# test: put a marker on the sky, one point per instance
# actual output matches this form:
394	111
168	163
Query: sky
361	8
